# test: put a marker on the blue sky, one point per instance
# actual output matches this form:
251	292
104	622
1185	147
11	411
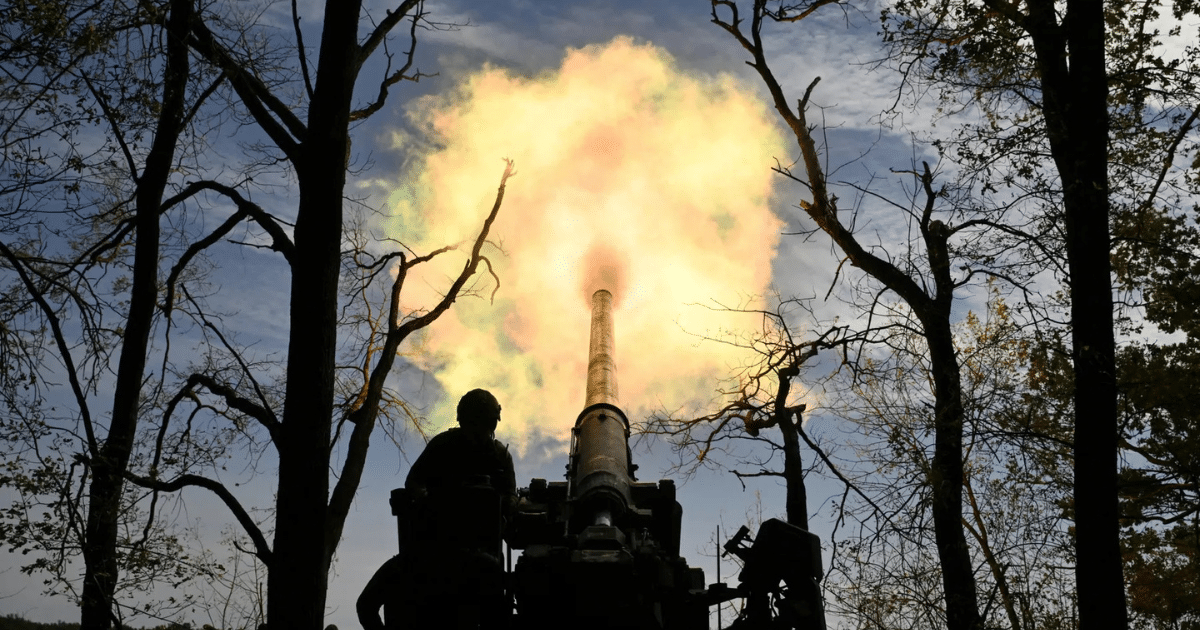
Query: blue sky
527	42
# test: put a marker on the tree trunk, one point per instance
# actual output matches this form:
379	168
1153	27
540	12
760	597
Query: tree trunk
298	577
946	479
793	466
1075	106
946	475
108	466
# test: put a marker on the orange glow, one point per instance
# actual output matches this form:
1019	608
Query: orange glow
631	176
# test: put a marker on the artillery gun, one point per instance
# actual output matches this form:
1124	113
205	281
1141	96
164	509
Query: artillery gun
601	549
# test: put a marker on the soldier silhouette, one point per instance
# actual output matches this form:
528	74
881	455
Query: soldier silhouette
463	455
459	494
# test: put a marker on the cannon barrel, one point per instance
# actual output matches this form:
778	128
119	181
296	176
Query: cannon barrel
601	472
602	365
600	549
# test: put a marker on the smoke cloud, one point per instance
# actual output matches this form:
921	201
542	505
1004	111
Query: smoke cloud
603	268
632	176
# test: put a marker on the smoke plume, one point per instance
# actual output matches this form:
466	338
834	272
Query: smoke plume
631	176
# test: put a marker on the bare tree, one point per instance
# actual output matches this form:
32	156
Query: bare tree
757	408
928	290
309	514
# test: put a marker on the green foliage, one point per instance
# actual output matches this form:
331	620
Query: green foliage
1017	480
978	58
1160	396
1161	387
16	622
80	91
1164	577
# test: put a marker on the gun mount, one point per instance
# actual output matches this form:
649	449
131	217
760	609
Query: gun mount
602	549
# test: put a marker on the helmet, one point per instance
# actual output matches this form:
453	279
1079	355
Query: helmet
478	407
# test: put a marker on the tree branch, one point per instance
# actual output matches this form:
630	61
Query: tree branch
280	241
263	415
288	131
262	549
301	53
364	416
390	78
60	341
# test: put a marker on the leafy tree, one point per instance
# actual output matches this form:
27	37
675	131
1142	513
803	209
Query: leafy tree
1085	109
951	233
1158	381
1163	581
1016	450
48	71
